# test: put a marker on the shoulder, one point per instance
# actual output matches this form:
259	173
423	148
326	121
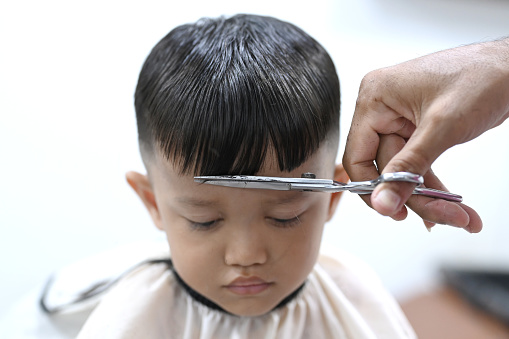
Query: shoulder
70	295
140	297
360	285
349	273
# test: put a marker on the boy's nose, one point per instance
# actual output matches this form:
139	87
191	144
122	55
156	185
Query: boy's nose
246	247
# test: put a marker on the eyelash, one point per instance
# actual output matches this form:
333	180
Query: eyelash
282	223
203	226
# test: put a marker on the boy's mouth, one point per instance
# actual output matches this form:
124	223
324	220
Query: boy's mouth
248	286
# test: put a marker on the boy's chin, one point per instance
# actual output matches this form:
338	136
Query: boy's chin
250	306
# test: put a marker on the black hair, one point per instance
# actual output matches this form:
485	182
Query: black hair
215	97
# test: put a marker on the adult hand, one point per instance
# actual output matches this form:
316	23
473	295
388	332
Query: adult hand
407	115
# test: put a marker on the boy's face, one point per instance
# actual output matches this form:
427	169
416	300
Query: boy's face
244	249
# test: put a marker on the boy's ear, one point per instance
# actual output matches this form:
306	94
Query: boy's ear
339	175
141	185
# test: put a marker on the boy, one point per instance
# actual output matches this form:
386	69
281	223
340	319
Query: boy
245	95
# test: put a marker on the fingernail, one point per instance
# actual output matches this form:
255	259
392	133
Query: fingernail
428	225
388	200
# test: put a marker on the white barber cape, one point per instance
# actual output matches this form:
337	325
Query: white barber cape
342	298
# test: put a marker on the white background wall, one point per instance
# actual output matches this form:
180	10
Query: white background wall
68	134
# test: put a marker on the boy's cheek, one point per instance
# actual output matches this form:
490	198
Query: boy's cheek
333	205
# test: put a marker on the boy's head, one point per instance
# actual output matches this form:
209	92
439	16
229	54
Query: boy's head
243	95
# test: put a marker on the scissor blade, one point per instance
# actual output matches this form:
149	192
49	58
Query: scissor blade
272	183
280	186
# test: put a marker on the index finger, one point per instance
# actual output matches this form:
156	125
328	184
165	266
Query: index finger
363	140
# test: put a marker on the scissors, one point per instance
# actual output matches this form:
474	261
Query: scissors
309	183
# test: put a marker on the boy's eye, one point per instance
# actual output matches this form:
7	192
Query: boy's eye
203	225
286	222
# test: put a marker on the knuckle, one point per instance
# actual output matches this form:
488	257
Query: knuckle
412	163
369	86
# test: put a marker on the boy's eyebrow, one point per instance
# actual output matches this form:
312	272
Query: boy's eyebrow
288	199
196	202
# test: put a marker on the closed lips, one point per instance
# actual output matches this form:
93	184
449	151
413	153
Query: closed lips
248	286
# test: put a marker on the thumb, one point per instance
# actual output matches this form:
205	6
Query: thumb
416	156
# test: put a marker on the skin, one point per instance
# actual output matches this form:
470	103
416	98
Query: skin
407	115
219	234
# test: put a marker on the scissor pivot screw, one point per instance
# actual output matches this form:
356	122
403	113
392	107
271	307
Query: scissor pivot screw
308	175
